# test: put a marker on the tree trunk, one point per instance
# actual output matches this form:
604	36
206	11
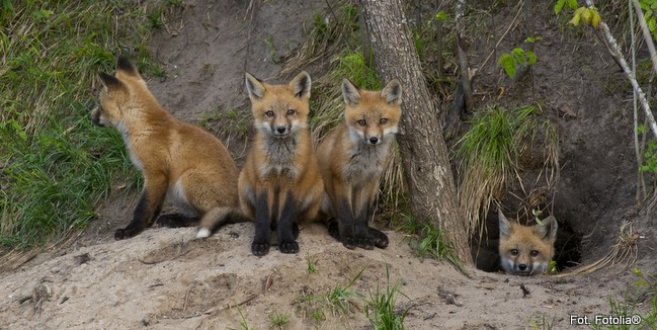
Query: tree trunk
424	154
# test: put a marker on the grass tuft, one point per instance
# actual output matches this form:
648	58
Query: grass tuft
278	321
339	298
311	267
496	148
428	241
53	164
381	308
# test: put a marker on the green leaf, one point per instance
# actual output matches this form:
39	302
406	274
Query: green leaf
507	63
441	16
572	4
559	6
652	25
519	56
641	129
531	40
531	57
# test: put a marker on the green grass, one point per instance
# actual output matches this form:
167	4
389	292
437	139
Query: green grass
428	240
540	322
312	307
244	324
490	152
645	308
381	308
54	166
311	268
339	298
278	320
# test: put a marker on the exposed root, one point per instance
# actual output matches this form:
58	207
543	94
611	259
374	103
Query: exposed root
625	251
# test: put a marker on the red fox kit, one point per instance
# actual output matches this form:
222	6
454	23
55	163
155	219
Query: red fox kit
526	250
177	158
280	183
352	158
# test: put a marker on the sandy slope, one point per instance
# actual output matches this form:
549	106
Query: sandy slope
166	280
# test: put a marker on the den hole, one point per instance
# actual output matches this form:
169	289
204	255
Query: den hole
568	246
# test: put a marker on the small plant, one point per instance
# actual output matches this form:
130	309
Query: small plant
541	323
649	8
311	269
586	15
649	158
629	312
312	307
517	61
278	320
339	298
244	324
381	308
559	6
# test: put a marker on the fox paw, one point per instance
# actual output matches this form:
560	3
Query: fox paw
366	243
333	229
259	249
379	239
288	247
127	232
362	242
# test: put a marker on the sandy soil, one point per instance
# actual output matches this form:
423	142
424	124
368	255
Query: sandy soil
163	279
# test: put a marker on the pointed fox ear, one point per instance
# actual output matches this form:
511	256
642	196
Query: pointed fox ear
392	92
301	85
548	230
109	81
350	93
505	226
255	88
123	64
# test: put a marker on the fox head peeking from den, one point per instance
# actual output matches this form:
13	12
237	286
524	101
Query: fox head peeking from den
526	250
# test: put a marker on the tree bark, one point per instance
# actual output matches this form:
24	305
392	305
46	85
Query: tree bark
424	153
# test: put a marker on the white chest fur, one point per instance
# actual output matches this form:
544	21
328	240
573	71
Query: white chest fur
366	162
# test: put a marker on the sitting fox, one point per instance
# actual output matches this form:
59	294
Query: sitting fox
176	158
526	250
352	158
280	184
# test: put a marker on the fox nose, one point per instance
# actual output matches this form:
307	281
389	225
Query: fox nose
281	129
522	267
374	140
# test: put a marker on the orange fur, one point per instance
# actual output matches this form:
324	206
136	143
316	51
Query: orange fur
526	250
177	158
280	183
352	159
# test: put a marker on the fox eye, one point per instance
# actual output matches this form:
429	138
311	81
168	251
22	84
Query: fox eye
291	112
533	253
383	121
514	252
362	122
269	113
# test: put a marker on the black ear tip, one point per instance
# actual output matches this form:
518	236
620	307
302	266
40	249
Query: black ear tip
123	63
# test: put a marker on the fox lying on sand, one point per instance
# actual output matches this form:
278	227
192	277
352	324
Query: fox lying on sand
175	158
526	250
